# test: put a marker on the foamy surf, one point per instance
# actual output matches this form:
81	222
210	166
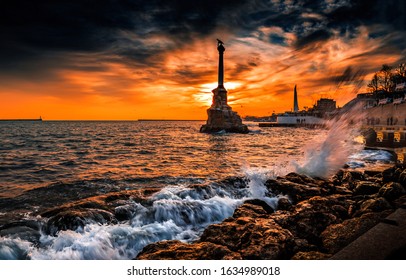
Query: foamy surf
177	212
323	158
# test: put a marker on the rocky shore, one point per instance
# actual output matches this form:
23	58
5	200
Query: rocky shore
315	220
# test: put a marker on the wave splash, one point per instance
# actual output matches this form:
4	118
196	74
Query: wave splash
325	157
180	212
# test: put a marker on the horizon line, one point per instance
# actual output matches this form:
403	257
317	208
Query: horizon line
95	120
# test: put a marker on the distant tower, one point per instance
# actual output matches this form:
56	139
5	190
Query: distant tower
295	103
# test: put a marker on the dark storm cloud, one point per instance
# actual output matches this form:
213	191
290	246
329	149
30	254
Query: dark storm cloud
245	65
42	35
316	36
30	30
317	21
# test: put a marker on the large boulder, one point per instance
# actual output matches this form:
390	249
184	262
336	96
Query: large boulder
29	230
366	188
392	191
391	174
76	219
311	217
379	204
337	236
402	178
252	238
296	192
176	250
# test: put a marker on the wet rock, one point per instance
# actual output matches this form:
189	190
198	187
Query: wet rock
284	204
296	192
337	236
76	219
343	189
14	249
366	188
313	255
301	244
402	178
28	230
250	210
392	191
259	238
400	202
124	212
375	205
352	176
390	175
373	173
303	180
341	211
310	218
259	202
176	250
337	178
235	181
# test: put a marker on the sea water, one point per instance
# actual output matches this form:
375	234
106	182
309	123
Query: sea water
46	164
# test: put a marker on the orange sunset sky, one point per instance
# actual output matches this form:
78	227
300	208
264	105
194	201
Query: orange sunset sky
126	60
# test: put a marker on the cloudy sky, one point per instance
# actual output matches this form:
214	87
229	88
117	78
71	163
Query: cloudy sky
130	59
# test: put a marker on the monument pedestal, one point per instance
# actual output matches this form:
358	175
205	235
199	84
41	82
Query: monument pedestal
223	120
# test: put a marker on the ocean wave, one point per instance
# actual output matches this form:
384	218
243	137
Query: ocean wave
178	212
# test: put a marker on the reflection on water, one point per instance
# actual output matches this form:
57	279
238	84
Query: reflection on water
106	165
38	154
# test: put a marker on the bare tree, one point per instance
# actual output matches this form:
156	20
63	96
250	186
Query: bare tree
401	70
373	86
386	78
400	74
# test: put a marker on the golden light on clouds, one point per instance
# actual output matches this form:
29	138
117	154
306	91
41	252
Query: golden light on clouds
159	72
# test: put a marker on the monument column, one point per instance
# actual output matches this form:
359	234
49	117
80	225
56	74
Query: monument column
220	93
220	115
221	50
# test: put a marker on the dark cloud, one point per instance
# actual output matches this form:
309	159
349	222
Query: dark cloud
246	65
316	36
44	35
30	29
316	21
277	39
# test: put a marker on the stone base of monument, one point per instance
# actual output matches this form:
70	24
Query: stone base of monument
223	120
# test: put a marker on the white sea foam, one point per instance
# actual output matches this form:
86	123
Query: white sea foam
324	158
176	212
256	185
372	156
11	249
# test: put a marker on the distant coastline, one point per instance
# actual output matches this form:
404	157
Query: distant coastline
21	120
166	120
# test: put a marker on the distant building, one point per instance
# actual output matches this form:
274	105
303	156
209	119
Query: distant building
325	105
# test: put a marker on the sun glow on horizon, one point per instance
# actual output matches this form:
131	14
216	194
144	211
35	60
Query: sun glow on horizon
205	95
